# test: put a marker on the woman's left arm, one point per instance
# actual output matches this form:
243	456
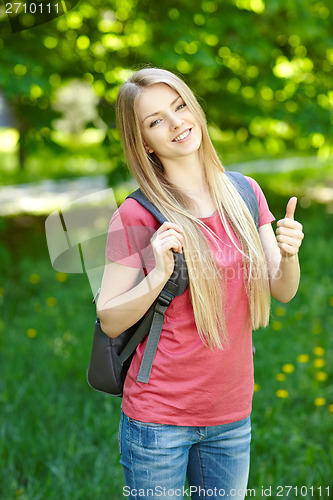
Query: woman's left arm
282	254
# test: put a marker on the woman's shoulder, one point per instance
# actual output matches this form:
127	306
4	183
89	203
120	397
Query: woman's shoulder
255	186
252	181
132	213
265	214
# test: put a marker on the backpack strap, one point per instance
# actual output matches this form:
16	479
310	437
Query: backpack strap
176	285
163	302
180	273
246	191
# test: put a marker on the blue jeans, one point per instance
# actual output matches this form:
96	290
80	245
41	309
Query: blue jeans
157	458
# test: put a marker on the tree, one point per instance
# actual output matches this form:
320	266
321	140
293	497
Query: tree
263	71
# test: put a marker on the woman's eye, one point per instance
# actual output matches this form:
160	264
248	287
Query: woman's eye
154	123
181	106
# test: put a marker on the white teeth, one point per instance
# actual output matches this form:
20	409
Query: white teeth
182	136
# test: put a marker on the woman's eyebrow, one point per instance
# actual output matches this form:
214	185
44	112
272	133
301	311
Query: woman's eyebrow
158	112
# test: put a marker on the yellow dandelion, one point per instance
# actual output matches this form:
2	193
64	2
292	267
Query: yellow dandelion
321	376
330	408
2	291
298	315
281	377
319	351
276	325
51	301
317	329
282	393
288	368
61	277
319	363
256	387
303	358
32	333
320	401
280	311
331	301
34	278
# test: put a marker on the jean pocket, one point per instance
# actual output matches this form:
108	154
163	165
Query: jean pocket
146	434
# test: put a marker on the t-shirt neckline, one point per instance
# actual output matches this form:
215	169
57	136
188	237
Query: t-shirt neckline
209	217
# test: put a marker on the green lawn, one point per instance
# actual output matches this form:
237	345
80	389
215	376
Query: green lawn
59	437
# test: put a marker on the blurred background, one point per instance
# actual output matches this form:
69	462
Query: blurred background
262	71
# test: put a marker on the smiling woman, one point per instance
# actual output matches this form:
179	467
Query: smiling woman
171	133
193	417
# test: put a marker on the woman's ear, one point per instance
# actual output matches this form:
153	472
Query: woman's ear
148	149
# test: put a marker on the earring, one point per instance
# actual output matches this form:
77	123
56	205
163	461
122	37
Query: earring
149	151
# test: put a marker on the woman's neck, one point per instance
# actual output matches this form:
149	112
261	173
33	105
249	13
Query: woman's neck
188	177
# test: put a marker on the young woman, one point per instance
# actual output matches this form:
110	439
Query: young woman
193	417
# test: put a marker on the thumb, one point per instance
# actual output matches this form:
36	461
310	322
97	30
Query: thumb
291	207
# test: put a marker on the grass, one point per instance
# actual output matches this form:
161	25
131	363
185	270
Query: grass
59	437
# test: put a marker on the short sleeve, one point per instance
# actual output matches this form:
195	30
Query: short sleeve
129	234
265	215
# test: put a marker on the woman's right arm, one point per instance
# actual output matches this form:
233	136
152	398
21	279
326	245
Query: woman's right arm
120	303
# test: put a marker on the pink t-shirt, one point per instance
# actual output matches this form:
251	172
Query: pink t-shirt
189	384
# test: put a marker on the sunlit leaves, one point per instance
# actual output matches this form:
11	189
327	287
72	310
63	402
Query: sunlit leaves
20	69
263	127
74	19
184	66
50	42
245	59
35	91
257	6
297	69
113	42
199	19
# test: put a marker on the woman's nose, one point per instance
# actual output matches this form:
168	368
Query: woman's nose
176	122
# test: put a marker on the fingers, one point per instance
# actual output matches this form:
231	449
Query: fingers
288	221
289	236
169	225
293	240
291	223
169	237
288	250
171	240
289	233
295	231
166	239
291	207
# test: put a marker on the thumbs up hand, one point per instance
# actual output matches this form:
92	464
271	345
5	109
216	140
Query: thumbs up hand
289	232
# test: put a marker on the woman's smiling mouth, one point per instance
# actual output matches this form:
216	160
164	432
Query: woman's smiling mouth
183	136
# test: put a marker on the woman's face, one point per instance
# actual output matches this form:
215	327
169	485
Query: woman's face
168	127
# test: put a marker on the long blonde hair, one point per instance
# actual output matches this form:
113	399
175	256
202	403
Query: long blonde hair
204	274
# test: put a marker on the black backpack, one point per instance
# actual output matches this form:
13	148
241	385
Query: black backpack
111	357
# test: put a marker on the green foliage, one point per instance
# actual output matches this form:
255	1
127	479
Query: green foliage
263	71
